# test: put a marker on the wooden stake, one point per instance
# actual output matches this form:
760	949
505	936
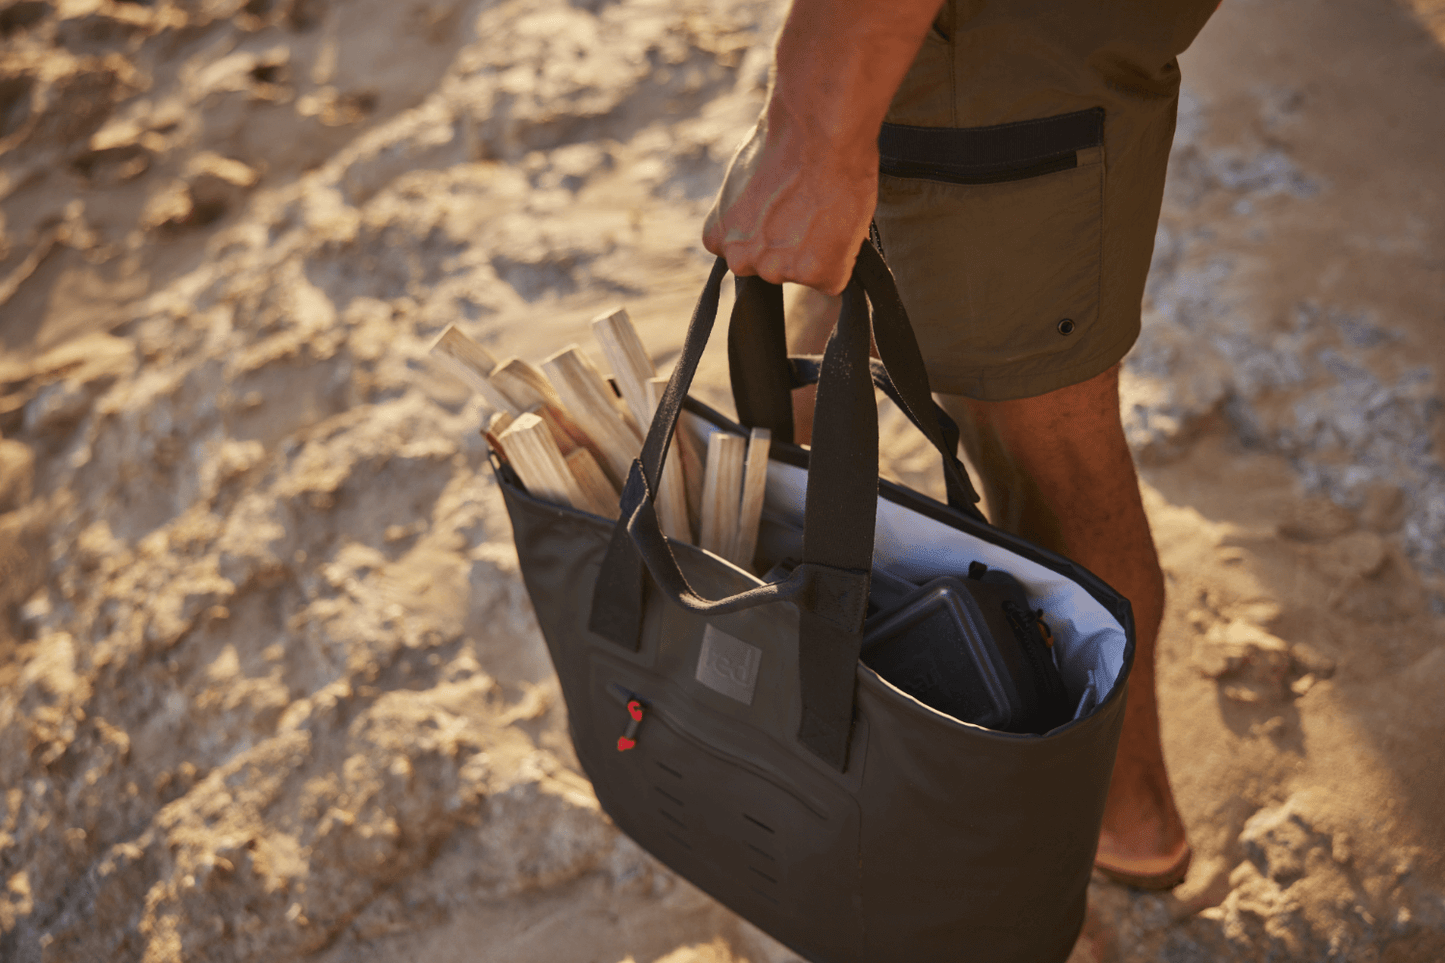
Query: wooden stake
473	364
524	385
602	498
560	435
533	454
672	489
498	423
750	511
722	492
591	402
631	366
691	456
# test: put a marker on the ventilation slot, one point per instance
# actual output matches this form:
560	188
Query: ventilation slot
759	823
676	821
669	770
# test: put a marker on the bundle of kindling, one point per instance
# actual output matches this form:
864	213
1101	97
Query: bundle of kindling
571	435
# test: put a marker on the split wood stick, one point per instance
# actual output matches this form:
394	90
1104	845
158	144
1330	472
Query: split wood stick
722	492
528	388
534	455
565	444
473	364
602	498
631	366
498	423
690	455
590	401
524	384
609	492
750	511
672	489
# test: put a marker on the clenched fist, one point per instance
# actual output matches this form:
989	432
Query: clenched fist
793	206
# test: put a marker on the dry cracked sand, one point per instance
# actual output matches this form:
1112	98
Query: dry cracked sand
270	687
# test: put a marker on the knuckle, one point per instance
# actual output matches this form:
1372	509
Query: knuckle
773	268
739	262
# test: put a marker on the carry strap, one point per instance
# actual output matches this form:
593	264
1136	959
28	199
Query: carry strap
805	369
830	587
762	393
762	381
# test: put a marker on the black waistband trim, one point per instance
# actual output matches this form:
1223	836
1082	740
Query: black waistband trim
984	155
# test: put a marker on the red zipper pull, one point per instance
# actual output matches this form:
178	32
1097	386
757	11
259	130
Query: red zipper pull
628	739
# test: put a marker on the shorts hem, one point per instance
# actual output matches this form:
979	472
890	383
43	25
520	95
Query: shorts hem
1005	383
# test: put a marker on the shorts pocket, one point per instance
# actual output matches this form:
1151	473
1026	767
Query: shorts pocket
995	236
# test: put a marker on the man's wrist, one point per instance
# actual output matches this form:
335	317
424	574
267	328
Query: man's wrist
838	64
848	143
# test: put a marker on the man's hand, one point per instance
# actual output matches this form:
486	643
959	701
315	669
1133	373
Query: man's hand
791	210
798	196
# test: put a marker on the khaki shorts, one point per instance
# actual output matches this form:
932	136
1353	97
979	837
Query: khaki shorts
1022	171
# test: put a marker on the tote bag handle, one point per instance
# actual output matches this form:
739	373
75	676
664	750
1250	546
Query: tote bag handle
763	377
830	586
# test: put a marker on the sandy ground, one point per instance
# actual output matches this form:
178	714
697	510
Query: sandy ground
270	688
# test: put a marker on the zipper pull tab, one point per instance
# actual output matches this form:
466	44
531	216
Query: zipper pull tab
628	739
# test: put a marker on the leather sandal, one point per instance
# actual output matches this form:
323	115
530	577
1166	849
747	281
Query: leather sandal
1154	875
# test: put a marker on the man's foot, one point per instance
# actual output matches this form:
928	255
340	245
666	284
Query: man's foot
1149	872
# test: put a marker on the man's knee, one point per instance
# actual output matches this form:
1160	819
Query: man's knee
1053	463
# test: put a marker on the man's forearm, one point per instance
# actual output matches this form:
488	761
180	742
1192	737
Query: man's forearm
839	62
797	198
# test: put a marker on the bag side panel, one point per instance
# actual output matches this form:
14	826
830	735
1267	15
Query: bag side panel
559	552
976	838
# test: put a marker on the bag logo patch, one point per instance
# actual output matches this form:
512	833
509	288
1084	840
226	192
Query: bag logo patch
729	665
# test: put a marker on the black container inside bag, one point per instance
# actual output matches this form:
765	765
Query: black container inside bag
967	646
970	647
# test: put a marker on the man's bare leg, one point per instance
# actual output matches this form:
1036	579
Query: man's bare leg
1057	470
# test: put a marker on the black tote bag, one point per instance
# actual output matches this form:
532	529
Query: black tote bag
741	741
